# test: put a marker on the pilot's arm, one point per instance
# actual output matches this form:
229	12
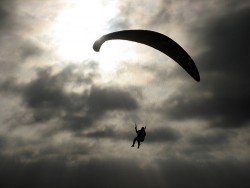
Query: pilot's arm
136	128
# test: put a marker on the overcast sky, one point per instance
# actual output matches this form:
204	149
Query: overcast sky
67	113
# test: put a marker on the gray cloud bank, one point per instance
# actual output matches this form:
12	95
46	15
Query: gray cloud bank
119	173
47	98
222	98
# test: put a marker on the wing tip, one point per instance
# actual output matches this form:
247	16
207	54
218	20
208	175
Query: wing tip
198	80
196	76
97	45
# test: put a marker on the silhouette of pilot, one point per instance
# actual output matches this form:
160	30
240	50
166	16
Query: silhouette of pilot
140	136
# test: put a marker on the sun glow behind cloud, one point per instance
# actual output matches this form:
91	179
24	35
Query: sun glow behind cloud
78	25
76	28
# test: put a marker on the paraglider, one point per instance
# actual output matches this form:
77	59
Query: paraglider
158	41
161	43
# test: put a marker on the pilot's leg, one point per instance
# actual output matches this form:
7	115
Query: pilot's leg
134	142
139	143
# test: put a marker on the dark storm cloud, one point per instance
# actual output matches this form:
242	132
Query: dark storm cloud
45	95
102	99
15	46
157	135
210	174
210	140
94	173
109	133
66	151
8	86
202	146
44	92
222	96
29	49
106	133
7	27
3	141
47	98
98	102
163	135
6	15
123	173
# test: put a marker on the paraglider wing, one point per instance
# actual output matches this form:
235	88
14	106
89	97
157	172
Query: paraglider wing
157	41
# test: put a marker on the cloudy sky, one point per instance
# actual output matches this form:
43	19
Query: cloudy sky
67	113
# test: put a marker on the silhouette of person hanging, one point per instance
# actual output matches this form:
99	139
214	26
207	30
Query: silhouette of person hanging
140	136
